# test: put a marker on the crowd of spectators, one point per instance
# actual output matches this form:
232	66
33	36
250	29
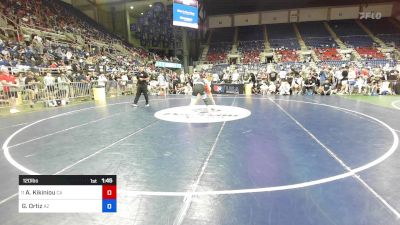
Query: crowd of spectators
53	62
309	80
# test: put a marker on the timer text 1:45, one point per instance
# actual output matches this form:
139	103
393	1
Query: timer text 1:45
107	180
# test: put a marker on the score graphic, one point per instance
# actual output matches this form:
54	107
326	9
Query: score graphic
109	198
67	193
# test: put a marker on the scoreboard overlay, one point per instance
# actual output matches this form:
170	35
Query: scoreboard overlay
67	194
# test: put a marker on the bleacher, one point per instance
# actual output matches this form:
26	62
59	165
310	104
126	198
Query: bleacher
327	54
45	31
218	51
315	35
251	43
282	36
220	44
384	30
334	63
378	63
370	53
288	55
351	33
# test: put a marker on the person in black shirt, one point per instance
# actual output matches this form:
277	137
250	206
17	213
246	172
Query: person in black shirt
326	88
30	87
308	87
142	80
272	76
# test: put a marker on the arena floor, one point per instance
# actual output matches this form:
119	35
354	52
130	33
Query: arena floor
294	161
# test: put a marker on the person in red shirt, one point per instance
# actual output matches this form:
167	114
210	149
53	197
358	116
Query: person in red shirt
9	82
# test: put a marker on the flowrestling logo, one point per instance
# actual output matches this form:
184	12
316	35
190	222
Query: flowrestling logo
202	114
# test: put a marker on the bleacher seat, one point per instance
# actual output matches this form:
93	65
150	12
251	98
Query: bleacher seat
282	36
351	33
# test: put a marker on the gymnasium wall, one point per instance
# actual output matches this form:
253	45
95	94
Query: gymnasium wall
271	17
384	9
246	19
219	21
313	14
303	15
105	19
344	13
396	10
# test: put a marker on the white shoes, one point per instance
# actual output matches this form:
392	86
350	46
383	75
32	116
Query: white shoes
135	105
14	111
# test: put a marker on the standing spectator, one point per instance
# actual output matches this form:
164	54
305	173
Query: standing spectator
162	84
351	79
235	77
344	86
123	82
31	83
101	82
9	84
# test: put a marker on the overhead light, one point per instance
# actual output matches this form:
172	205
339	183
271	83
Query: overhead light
150	5
141	13
131	7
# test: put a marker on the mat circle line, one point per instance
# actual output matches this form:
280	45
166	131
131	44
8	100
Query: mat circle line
350	173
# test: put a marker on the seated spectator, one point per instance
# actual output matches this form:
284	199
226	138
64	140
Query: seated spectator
271	88
297	85
284	88
308	86
264	88
361	85
326	88
385	88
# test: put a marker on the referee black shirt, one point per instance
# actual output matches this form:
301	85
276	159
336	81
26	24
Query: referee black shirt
142	75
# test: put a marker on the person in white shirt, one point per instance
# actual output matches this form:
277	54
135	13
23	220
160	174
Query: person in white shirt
282	74
384	89
235	77
123	82
351	79
49	81
297	85
102	80
182	78
284	88
360	84
215	78
162	84
264	88
271	88
188	89
226	76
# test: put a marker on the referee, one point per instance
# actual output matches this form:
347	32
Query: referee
142	79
